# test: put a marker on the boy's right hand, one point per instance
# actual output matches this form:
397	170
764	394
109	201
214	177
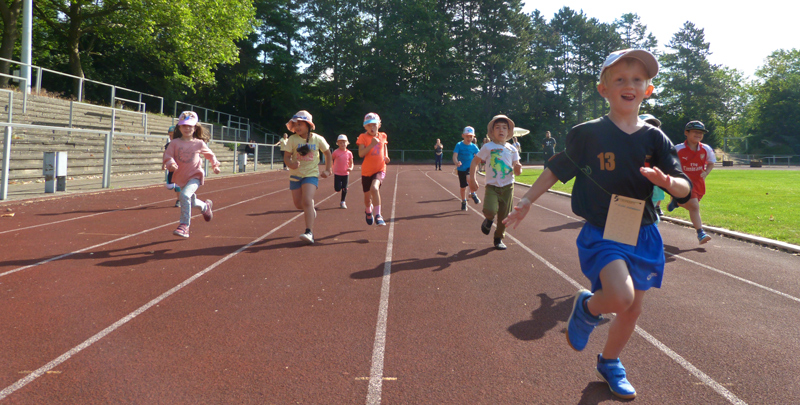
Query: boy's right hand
473	184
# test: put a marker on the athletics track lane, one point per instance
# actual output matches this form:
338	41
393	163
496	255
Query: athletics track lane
486	337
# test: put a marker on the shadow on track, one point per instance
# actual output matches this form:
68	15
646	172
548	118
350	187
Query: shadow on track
569	225
435	263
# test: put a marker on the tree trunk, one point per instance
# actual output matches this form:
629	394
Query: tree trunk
10	16
73	49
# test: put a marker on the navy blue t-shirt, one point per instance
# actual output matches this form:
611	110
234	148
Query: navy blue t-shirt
604	160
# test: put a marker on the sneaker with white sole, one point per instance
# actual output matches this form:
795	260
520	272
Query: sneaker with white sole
613	373
182	231
343	205
207	213
379	221
177	203
464	205
703	237
307	237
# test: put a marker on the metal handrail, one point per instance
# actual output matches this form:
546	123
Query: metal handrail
82	80
24	93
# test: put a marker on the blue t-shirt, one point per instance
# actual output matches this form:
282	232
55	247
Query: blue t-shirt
465	154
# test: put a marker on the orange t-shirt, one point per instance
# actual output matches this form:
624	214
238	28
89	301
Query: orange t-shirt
373	162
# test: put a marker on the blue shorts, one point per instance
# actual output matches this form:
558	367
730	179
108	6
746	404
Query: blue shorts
296	182
645	261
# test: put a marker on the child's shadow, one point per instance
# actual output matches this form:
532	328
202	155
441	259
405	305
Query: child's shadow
551	311
674	250
439	263
597	392
569	225
273	212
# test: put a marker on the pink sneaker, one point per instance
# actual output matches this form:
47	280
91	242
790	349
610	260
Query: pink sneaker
207	214
182	231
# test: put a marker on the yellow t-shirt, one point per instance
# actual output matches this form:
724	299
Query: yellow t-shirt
309	164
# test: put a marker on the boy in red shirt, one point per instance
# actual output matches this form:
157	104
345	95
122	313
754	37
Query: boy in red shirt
697	160
372	147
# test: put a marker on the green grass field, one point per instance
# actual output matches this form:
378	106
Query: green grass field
759	202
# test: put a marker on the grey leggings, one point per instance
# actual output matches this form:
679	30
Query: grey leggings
189	200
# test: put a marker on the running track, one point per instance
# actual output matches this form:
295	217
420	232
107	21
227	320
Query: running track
102	304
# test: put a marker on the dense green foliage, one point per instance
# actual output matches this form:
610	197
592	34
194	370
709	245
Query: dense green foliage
428	67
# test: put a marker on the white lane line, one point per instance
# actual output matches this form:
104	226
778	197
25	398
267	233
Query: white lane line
105	332
126	237
704	378
379	346
746	281
117	210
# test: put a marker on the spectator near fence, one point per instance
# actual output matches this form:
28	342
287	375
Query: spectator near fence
548	147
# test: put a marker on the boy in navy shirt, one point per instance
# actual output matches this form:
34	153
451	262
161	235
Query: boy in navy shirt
615	161
462	157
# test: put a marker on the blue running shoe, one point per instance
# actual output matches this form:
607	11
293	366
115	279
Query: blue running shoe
672	205
580	323
475	198
613	373
369	218
379	220
702	237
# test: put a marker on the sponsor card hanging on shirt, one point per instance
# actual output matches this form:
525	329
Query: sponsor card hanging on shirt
624	220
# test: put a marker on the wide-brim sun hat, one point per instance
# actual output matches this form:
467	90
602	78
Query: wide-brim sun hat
188	118
501	117
647	58
372	118
301	115
650	119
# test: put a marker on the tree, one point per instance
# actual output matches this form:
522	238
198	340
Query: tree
634	34
10	13
776	107
688	87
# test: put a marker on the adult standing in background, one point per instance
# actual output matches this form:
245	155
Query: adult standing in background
548	147
515	142
438	149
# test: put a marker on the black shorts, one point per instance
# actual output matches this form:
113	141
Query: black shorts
462	178
340	182
366	181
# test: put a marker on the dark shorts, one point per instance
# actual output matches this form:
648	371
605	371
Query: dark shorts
340	182
366	181
462	178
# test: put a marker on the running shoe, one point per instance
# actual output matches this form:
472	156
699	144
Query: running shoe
307	237
486	226
177	203
613	373
703	237
672	205
499	245
379	220
580	323
464	205
182	231
207	213
658	211
475	198
343	205
369	218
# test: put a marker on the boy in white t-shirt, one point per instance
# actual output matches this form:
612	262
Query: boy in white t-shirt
503	164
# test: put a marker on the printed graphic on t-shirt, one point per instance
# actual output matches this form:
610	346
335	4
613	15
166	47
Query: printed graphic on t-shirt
184	155
312	151
498	165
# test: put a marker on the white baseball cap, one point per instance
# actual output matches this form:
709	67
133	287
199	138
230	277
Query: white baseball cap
469	131
647	58
342	137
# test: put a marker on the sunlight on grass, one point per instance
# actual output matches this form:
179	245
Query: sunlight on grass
759	202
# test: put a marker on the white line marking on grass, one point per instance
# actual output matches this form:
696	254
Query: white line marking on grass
718	388
379	347
116	210
116	325
127	237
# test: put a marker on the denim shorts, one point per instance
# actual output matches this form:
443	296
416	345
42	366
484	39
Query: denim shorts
296	182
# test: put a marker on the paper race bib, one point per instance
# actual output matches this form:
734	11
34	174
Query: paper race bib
624	220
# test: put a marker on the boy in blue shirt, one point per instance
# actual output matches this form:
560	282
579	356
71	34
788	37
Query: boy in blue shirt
462	157
615	160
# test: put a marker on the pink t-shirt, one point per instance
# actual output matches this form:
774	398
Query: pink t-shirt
341	162
186	153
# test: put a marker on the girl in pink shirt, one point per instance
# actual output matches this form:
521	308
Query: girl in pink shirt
182	158
342	165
